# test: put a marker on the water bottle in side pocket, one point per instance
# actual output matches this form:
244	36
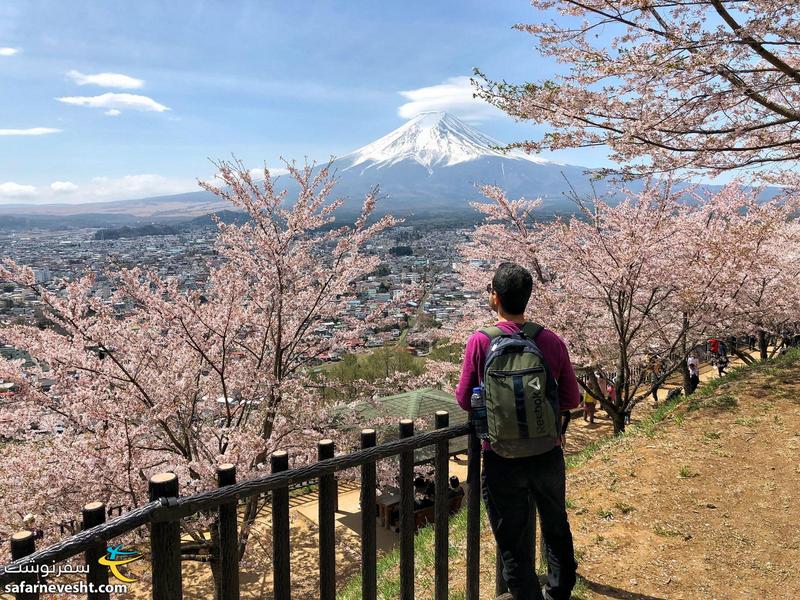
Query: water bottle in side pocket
478	413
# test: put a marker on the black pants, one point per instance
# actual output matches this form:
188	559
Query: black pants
694	381
511	486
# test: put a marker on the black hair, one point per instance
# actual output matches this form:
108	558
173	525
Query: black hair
513	285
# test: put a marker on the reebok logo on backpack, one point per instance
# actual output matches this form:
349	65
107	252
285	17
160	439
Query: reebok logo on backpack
521	395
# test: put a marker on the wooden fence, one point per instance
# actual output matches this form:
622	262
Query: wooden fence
166	508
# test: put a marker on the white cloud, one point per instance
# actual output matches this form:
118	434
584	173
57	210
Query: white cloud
453	95
31	131
258	172
112	113
8	51
112	80
97	189
9	189
111	100
135	186
63	186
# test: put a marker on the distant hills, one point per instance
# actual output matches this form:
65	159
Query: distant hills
428	167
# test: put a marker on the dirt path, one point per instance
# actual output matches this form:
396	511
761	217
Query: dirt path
706	509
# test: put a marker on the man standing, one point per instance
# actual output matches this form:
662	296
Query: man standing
513	487
694	379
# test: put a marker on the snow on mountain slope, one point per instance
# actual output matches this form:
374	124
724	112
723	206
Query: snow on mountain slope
431	139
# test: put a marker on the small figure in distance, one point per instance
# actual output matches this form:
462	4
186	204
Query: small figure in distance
722	364
455	487
423	495
693	361
589	407
694	378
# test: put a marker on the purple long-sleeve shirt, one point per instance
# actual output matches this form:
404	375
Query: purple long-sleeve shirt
555	354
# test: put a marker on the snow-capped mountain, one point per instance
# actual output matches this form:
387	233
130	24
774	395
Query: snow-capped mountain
435	162
431	139
431	165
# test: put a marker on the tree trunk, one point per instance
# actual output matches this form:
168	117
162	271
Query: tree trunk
745	358
763	342
618	420
687	380
617	415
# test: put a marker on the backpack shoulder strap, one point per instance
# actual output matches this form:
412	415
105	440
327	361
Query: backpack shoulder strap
491	332
531	330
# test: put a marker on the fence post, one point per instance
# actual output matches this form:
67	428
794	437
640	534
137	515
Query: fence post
23	543
407	515
473	516
279	461
369	578
327	526
228	538
441	508
165	543
94	514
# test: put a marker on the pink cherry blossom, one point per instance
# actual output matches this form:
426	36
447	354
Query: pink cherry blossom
690	85
185	380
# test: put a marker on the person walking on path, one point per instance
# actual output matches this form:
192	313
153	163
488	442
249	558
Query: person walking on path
602	384
722	364
513	488
589	406
611	393
694	373
694	378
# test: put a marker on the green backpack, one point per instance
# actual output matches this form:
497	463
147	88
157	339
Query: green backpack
521	395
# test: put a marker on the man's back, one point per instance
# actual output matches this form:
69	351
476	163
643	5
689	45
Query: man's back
555	356
513	488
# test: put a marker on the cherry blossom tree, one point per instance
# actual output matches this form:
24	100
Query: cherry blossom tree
708	85
643	280
601	280
761	282
684	87
184	380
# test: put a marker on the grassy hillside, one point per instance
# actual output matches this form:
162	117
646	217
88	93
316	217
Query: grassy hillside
698	501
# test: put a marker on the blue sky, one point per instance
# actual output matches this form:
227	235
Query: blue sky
194	80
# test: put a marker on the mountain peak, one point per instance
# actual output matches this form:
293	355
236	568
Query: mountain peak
434	118
431	139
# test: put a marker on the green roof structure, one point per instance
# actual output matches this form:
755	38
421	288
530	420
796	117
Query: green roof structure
419	404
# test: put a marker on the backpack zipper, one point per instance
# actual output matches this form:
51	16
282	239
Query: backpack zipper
522	372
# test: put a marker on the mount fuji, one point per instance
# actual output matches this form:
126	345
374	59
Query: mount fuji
435	162
433	140
431	165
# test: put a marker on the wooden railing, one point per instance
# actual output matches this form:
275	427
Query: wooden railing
166	508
